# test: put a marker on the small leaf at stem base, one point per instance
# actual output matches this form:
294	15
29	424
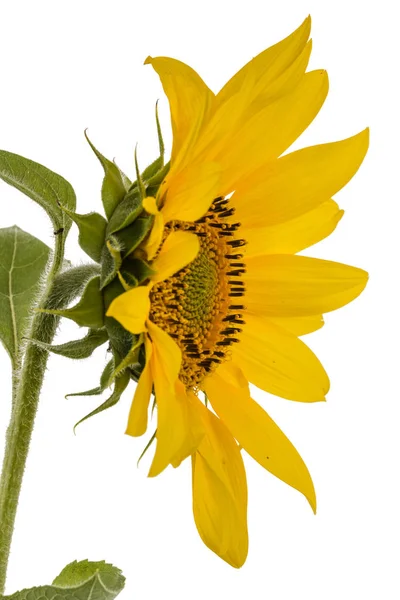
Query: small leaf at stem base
82	580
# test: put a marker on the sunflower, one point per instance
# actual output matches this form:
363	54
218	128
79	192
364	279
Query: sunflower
229	296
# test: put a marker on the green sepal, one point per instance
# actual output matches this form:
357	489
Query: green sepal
153	169
131	359
157	179
111	261
120	385
149	443
89	312
92	232
128	280
82	580
125	179
113	188
40	184
139	180
140	268
23	262
105	376
130	237
126	212
121	339
69	284
78	349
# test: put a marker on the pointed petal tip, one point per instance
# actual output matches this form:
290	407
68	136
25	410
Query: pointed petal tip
311	497
364	135
324	79
236	562
361	278
307	23
148	61
304	27
110	311
154	469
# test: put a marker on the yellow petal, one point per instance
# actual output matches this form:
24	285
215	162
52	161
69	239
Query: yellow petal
150	205
278	362
190	193
282	285
253	96
298	182
190	102
178	250
220	493
131	309
137	421
193	424
178	432
165	365
156	234
269	64
300	325
282	85
272	130
293	236
257	433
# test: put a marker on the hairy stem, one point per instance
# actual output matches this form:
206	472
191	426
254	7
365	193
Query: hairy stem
26	390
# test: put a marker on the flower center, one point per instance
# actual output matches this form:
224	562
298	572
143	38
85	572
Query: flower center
198	306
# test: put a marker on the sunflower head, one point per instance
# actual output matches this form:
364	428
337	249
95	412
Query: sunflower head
200	288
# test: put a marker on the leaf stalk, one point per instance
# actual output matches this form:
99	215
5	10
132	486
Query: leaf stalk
26	391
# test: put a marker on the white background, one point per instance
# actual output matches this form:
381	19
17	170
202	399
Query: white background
70	65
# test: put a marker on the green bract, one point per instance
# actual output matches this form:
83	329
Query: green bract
114	243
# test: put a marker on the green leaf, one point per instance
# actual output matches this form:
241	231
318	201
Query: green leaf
69	284
89	312
92	232
23	260
113	188
43	186
130	237
78	581
120	385
126	212
104	379
111	261
78	349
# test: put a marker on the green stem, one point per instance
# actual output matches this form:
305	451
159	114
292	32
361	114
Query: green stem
26	390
